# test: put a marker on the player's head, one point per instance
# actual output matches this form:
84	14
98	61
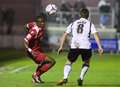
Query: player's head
40	20
84	13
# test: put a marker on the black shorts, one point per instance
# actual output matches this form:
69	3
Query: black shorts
74	53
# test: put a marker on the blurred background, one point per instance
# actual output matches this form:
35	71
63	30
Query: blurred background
105	14
16	68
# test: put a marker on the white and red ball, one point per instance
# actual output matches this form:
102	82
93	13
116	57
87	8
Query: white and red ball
51	9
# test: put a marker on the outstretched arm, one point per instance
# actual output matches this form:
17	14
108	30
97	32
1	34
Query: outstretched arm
97	38
62	41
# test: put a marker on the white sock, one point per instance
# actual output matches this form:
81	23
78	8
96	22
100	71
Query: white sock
67	69
83	72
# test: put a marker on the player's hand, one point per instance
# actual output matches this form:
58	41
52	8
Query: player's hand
60	50
100	50
32	52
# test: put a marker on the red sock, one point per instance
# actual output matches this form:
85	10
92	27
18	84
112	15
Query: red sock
45	67
41	70
38	73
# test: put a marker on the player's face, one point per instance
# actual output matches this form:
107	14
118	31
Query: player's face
41	22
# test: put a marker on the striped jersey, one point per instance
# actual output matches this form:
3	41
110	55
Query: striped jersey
81	30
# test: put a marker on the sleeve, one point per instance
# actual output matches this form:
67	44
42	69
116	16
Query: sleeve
93	29
69	28
31	35
28	26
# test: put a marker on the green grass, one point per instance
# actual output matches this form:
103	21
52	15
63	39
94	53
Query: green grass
104	71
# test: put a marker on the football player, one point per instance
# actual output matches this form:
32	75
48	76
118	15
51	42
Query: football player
32	44
80	45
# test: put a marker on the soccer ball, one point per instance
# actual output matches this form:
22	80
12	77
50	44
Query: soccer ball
51	9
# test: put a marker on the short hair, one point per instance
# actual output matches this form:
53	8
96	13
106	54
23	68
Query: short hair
41	15
84	13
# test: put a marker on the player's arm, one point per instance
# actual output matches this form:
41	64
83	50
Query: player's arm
64	36
26	43
97	38
62	41
29	37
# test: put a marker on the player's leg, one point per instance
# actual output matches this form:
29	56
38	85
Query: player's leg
86	55
47	63
44	64
67	70
43	67
35	78
72	56
50	61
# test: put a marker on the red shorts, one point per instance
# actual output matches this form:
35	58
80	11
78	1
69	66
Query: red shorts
38	56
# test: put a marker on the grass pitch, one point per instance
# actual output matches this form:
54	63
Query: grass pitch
16	70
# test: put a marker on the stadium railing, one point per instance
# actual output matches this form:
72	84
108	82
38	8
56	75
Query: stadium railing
57	25
62	18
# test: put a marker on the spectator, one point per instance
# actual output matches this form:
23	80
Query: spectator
117	14
118	20
104	9
3	18
10	19
7	19
77	6
66	8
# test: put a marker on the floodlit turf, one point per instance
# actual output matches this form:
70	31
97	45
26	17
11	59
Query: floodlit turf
104	71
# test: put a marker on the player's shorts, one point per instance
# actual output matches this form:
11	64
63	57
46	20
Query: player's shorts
74	53
39	56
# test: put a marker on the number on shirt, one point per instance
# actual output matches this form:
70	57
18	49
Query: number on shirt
80	28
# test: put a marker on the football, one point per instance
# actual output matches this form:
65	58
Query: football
51	9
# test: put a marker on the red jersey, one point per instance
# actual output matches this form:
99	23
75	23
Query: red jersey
34	35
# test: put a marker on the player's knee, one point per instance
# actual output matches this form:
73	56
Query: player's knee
69	62
86	64
52	61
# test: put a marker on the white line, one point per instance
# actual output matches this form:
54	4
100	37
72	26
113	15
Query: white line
19	69
4	68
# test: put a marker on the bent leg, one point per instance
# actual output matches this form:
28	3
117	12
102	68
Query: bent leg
44	65
72	57
84	69
67	69
86	56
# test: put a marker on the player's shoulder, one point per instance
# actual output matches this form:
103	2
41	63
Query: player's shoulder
74	22
80	21
31	24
